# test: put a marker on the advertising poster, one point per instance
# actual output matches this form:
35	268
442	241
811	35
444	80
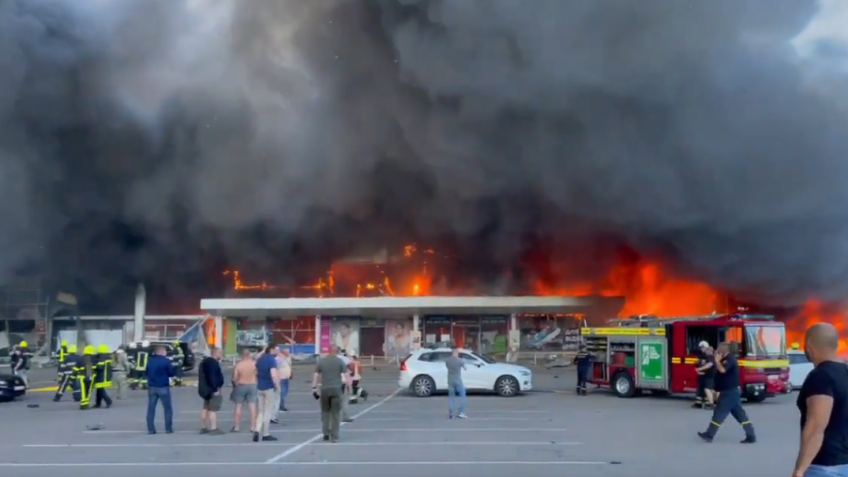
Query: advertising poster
345	332
326	335
398	338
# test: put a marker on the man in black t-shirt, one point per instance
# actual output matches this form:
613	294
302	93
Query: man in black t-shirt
823	402
729	396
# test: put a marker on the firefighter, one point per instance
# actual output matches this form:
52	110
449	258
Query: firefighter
103	376
700	390
141	364
85	371
66	372
132	358
583	360
60	358
729	395
177	361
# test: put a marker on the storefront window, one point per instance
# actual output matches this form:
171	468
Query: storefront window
296	332
547	332
494	335
437	331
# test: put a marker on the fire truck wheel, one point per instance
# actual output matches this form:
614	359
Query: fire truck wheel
756	399
423	386
622	385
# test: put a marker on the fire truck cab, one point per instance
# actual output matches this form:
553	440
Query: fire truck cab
660	354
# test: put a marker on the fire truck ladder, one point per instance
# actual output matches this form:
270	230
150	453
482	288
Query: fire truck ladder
651	321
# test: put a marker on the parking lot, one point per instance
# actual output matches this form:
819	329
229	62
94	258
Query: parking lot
551	430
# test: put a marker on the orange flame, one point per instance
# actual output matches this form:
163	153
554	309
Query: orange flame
816	312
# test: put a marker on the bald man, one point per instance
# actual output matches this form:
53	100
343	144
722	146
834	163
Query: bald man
823	402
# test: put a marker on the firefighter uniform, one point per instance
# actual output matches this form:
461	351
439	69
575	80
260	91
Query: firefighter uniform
85	371
60	357
729	402
177	361
67	378
103	376
138	376
583	360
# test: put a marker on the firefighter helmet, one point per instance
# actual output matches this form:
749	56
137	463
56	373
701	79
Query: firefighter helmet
132	345
103	349
64	343
23	344
176	343
88	350
145	344
72	348
796	345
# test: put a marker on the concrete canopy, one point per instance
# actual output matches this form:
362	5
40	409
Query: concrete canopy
407	306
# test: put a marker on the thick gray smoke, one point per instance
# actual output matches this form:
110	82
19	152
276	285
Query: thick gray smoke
169	138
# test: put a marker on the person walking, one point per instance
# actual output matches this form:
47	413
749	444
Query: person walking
159	374
455	386
244	390
284	367
345	386
583	360
268	385
210	381
102	377
823	402
331	372
122	369
729	395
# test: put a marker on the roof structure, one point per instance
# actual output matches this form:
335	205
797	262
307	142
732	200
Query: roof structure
407	306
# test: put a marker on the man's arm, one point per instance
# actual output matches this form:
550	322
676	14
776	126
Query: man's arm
275	378
819	408
316	375
705	367
720	366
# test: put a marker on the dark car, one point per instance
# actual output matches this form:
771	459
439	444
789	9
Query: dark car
11	387
188	362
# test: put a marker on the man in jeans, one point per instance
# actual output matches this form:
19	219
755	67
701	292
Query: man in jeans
333	374
284	371
159	374
268	384
455	387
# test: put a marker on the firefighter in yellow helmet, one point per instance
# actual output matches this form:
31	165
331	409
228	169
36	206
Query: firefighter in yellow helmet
103	376
796	345
85	371
60	358
177	361
66	372
20	357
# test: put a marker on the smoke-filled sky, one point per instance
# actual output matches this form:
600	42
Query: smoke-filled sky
163	140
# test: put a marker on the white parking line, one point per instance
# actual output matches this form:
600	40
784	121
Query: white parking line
428	412
548	463
295	444
318	436
391	429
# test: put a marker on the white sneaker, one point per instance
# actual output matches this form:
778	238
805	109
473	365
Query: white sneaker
462	415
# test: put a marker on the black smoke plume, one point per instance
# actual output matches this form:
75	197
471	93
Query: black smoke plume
166	140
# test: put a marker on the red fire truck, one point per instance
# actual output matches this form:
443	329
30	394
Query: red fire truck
660	354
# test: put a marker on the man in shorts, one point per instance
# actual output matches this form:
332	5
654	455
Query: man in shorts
244	389
210	380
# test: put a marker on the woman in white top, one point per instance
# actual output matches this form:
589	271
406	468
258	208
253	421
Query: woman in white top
284	369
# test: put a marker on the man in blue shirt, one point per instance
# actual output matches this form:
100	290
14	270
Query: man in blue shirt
268	385
159	374
729	395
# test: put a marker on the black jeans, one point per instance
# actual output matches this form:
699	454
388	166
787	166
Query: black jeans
154	396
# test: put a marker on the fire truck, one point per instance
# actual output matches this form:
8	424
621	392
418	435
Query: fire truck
660	354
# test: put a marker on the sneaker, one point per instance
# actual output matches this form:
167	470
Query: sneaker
204	431
450	416
268	438
255	437
284	410
462	415
347	420
326	437
275	421
216	432
748	440
169	431
234	430
706	437
151	432
334	440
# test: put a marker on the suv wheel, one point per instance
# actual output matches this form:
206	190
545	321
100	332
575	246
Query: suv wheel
506	386
423	386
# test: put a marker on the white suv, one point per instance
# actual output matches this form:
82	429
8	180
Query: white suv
424	372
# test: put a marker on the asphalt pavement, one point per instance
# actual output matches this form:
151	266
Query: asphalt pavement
552	430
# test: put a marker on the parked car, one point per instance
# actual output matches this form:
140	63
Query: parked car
424	373
11	387
799	368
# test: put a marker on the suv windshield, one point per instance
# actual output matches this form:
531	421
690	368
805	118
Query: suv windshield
765	340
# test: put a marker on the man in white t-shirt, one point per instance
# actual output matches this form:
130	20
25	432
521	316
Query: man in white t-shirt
346	394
